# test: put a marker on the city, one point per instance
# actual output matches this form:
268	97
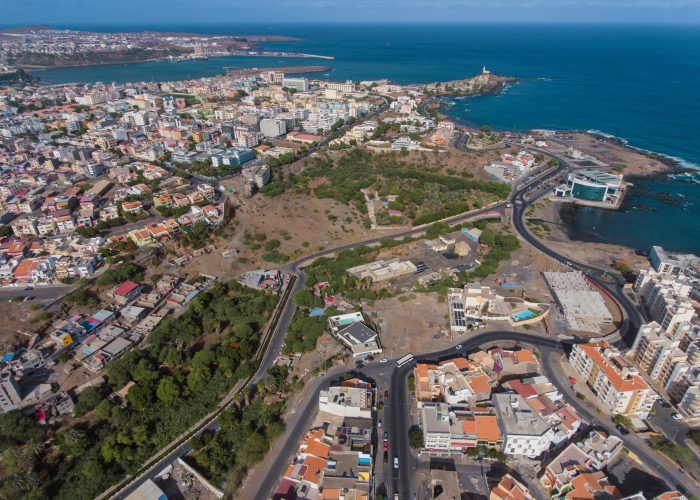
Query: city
274	284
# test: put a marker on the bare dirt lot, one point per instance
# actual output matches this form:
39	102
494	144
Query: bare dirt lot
634	162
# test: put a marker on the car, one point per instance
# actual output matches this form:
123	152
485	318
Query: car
650	417
359	364
665	404
386	393
379	423
622	430
383	360
370	358
396	461
386	457
28	298
680	469
677	416
29	288
386	435
459	347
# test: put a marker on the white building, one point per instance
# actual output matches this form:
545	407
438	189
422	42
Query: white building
524	431
273	128
346	401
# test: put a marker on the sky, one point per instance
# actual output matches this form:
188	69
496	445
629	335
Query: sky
155	12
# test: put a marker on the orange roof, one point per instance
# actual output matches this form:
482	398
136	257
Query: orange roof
525	356
586	485
315	467
510	489
487	428
331	493
317	449
480	384
633	383
460	363
469	426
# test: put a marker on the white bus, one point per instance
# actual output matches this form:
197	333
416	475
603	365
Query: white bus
404	360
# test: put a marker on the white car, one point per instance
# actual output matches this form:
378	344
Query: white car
677	416
459	347
383	360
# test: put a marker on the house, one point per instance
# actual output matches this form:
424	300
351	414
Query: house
126	292
132	207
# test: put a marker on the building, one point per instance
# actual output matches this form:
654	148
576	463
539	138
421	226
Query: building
448	429
614	381
594	453
473	234
273	128
258	175
383	270
351	329
10	394
583	308
126	292
673	263
592	186
525	432
657	352
300	84
510	488
354	399
666	296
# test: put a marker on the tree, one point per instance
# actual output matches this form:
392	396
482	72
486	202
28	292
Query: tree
415	437
486	129
168	390
87	400
304	298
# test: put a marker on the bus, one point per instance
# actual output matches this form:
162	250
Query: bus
404	360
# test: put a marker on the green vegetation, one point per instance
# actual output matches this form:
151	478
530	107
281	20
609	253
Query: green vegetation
244	436
621	420
125	271
415	437
411	381
187	365
423	197
677	452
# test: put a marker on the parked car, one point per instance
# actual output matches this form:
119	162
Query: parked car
623	430
386	457
379	423
396	461
677	416
383	360
386	393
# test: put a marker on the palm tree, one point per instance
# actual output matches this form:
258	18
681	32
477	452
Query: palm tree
23	481
74	437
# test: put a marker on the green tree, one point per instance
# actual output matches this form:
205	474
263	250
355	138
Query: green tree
168	390
415	437
304	298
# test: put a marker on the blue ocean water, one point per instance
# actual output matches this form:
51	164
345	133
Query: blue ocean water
636	82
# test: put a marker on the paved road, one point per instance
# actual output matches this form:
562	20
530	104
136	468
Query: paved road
41	293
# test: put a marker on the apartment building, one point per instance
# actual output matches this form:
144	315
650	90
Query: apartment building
455	429
657	352
666	297
525	431
615	382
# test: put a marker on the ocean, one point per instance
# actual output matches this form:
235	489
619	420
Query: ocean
636	82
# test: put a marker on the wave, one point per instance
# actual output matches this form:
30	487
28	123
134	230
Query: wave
682	162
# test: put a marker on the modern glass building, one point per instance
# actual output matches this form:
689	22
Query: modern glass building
591	185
